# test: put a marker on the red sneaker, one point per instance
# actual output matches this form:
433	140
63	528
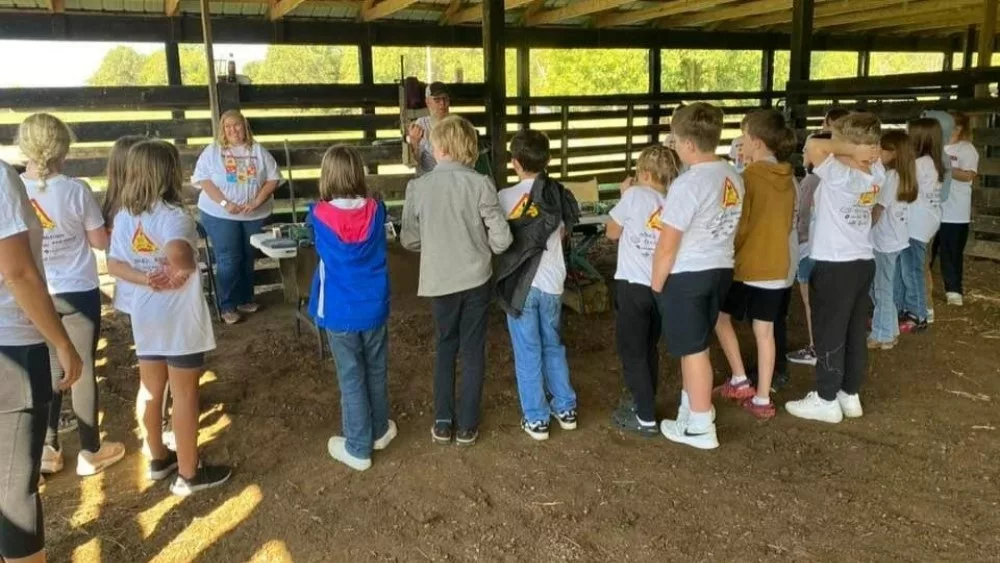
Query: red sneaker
762	412
737	391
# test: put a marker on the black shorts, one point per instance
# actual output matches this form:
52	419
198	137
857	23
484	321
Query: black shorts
690	305
746	302
25	394
187	361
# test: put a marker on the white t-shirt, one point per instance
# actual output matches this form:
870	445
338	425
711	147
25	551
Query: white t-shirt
66	209
958	207
165	323
551	275
891	234
843	211
925	212
16	217
240	173
638	213
705	203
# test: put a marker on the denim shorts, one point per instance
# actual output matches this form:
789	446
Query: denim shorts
186	361
805	269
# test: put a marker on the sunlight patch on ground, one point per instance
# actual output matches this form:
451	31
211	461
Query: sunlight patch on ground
102	343
207	377
142	480
203	532
89	552
91	500
273	551
148	519
208	433
101	362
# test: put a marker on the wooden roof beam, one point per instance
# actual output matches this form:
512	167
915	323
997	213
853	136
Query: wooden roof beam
171	7
277	9
726	13
475	13
453	7
827	9
861	21
574	9
385	8
56	6
669	8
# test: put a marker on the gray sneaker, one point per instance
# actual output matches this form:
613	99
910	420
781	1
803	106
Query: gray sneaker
804	357
625	419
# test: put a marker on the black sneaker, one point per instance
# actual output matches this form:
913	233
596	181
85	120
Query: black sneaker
160	469
466	437
566	419
625	419
441	432
208	476
67	422
537	430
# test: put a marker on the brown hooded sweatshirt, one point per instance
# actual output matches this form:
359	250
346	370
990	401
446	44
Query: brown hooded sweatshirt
762	252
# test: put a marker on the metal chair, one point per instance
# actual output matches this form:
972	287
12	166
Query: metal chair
206	264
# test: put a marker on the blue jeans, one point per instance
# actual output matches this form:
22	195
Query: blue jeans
361	361
885	323
540	357
911	288
234	258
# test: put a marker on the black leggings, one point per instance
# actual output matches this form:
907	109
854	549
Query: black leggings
81	316
25	393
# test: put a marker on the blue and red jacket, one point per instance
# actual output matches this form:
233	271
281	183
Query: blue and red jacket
350	290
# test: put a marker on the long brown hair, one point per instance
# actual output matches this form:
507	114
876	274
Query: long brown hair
116	176
904	163
342	174
927	139
152	175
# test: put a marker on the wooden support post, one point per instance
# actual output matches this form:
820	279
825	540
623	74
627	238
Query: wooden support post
864	64
655	59
524	84
213	92
174	78
987	34
969	47
564	144
947	66
629	123
767	78
800	59
496	86
367	66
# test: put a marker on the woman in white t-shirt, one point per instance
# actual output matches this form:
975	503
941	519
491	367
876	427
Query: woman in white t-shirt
924	222
73	227
153	247
956	211
237	177
890	234
635	224
27	321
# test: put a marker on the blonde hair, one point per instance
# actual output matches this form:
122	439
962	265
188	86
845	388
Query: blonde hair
660	162
152	175
44	139
342	174
456	137
116	176
235	114
859	128
699	123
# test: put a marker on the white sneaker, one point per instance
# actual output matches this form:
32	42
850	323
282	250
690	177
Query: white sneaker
850	405
684	413
681	432
812	407
337	446
955	299
383	442
52	460
92	463
930	316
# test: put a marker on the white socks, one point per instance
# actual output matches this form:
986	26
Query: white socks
737	379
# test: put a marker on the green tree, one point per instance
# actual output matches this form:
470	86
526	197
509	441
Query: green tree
121	66
563	72
305	64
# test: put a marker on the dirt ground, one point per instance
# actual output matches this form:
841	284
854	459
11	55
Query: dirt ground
916	479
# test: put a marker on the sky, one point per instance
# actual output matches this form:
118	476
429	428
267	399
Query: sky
64	63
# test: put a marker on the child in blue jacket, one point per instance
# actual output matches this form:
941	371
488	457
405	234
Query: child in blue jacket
350	300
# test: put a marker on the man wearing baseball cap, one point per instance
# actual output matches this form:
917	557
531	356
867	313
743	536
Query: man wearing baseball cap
419	134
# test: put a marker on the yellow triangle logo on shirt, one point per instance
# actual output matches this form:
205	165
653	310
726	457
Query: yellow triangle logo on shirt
868	198
141	243
522	207
653	223
730	197
47	223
